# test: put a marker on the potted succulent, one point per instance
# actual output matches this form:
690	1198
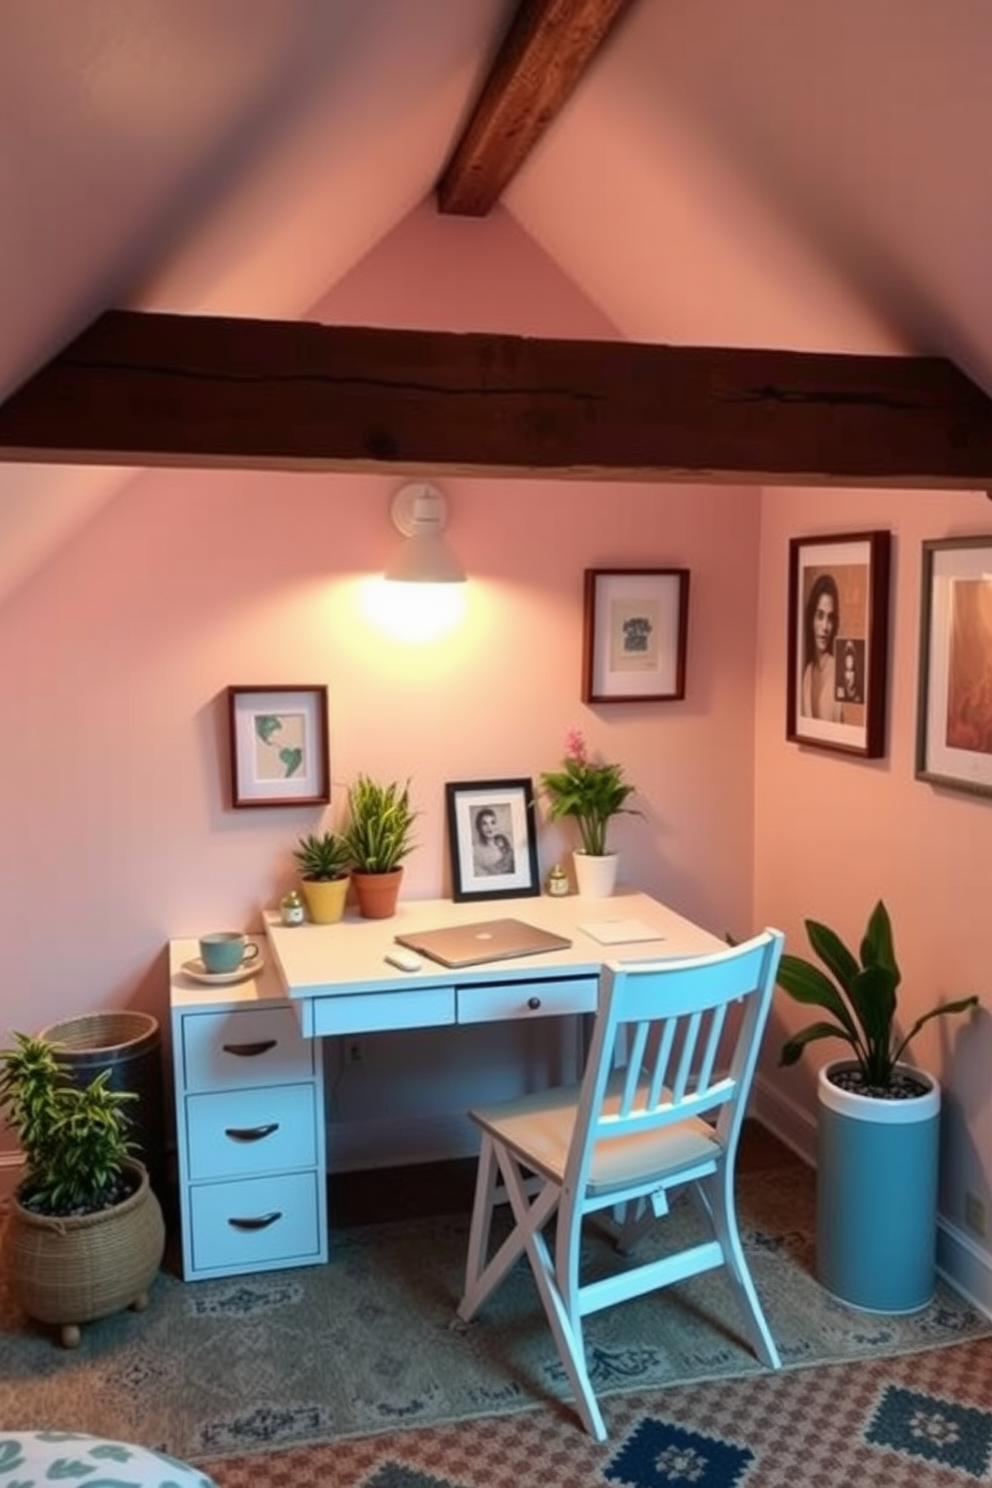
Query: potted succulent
379	837
324	861
878	1122
85	1233
593	794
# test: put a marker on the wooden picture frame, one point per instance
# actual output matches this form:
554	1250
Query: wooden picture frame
492	839
954	697
634	634
279	746
838	642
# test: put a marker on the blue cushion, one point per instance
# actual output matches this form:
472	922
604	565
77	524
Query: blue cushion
35	1458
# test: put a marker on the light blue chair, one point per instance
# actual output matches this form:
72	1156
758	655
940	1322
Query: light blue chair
660	1106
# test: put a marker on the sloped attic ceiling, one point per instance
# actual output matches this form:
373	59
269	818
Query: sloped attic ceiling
734	172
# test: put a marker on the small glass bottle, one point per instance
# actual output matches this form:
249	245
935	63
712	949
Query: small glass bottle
291	909
558	884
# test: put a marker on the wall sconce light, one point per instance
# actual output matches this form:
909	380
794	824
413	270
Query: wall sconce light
420	512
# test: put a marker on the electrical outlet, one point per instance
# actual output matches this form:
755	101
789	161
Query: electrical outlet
354	1053
974	1214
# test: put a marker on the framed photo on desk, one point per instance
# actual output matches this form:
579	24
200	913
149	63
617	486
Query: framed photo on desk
492	841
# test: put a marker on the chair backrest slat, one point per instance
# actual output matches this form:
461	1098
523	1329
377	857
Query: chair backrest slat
662	1049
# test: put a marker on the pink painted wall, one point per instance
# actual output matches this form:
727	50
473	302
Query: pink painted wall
835	833
116	655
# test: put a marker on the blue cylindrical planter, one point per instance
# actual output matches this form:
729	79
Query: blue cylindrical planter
876	1196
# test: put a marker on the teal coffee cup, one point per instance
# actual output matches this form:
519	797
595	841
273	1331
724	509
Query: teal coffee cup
226	950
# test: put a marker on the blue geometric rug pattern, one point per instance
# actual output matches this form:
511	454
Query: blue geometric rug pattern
940	1431
661	1455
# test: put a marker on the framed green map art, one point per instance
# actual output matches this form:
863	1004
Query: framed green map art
279	751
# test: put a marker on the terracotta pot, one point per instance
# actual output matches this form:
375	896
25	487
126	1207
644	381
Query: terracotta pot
324	898
71	1270
377	893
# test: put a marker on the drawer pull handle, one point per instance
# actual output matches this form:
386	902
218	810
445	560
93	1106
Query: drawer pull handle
533	1003
250	1051
251	1133
258	1222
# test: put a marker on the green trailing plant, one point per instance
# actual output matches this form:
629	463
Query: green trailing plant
75	1141
380	829
591	793
323	856
861	999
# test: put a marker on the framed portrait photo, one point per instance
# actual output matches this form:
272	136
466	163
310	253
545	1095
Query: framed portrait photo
634	634
279	752
492	839
954	701
838	642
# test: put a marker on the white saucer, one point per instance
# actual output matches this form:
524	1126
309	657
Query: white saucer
199	972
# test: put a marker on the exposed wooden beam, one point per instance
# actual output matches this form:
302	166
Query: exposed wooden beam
547	48
198	391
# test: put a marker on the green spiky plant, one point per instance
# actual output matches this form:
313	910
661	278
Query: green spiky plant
379	831
861	999
323	856
74	1141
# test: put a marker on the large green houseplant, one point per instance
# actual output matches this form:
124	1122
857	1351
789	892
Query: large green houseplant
379	835
878	1121
861	1000
85	1233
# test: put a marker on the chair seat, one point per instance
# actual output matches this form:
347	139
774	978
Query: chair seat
539	1129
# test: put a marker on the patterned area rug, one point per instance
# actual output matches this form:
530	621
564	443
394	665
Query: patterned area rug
920	1421
366	1343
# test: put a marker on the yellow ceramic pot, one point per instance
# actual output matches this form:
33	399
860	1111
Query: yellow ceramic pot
325	898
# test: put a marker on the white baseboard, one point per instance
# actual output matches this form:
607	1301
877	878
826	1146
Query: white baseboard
964	1265
784	1118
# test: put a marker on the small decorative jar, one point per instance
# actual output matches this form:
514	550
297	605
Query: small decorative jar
558	884
291	909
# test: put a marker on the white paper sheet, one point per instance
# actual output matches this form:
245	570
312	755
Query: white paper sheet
620	932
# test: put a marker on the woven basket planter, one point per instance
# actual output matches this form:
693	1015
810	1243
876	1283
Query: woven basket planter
73	1270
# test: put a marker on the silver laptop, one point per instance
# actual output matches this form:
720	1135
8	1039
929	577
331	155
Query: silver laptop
484	940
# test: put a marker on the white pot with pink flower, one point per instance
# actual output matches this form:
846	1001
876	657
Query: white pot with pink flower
593	793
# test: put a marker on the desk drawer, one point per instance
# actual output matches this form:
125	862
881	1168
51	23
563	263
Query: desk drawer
236	1133
496	1001
371	1012
254	1046
239	1226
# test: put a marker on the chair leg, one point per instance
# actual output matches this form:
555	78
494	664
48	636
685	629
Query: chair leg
717	1194
483	1275
566	1330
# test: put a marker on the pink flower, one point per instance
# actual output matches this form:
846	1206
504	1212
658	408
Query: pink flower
575	746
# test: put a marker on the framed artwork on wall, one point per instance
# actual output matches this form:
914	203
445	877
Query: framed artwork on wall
954	700
838	642
279	749
634	634
492	839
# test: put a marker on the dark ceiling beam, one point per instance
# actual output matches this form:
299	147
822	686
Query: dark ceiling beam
547	48
143	389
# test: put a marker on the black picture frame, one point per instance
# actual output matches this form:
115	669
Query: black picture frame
279	746
954	699
837	699
634	628
504	866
